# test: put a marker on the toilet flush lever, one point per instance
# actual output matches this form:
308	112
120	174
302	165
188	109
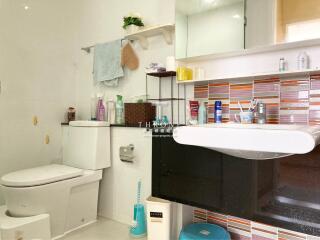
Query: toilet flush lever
126	153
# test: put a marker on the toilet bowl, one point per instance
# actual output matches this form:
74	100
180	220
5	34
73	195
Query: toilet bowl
68	192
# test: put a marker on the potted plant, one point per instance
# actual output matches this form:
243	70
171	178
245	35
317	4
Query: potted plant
132	23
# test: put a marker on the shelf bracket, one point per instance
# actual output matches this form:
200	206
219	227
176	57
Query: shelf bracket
167	35
143	42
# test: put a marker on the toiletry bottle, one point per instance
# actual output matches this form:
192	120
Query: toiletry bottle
99	101
93	108
119	110
111	112
303	61
218	112
261	113
101	111
194	109
202	115
282	65
71	114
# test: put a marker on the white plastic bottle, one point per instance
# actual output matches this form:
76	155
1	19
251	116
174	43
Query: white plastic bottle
111	112
303	61
119	110
202	114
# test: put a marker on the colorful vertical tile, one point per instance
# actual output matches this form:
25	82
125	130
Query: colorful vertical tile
199	215
201	91
290	235
263	232
268	91
218	219
240	92
294	101
312	238
240	229
314	100
219	92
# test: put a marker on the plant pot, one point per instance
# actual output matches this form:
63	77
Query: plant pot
132	29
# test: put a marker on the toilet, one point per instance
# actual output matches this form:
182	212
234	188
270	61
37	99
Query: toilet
68	192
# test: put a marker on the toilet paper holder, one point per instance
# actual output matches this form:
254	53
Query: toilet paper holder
126	153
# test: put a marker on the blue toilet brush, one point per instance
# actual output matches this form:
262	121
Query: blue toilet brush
139	229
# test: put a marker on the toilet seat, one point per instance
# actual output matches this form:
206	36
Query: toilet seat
40	175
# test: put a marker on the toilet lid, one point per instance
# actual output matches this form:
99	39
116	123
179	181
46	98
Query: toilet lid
40	175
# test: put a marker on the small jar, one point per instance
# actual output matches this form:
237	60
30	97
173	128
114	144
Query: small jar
71	114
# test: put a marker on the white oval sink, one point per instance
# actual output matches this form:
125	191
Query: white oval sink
251	141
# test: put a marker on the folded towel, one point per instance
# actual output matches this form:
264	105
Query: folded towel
107	63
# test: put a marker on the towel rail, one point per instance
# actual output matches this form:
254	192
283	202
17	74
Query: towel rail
88	49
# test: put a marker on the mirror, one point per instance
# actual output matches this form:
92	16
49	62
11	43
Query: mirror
209	26
206	27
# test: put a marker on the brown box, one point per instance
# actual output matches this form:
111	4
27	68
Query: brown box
136	113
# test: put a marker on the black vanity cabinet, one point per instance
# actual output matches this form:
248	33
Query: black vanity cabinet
282	192
202	177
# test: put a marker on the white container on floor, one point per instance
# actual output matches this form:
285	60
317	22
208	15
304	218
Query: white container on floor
158	218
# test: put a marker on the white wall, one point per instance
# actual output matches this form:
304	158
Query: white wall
119	185
101	21
37	77
181	35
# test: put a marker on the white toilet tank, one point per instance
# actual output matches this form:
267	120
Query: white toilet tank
87	145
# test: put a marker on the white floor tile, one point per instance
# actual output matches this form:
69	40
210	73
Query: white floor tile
103	229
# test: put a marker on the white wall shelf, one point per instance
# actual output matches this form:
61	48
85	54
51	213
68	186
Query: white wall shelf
143	35
257	76
251	51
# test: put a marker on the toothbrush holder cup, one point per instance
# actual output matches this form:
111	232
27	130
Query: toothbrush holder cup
245	117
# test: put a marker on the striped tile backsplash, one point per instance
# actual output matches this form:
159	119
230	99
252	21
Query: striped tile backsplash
241	229
289	101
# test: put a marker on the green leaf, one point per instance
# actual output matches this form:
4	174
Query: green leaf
127	21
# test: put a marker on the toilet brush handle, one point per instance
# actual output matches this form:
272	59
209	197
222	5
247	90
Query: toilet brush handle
139	192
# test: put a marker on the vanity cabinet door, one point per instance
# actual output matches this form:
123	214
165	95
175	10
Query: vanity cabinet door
186	174
239	186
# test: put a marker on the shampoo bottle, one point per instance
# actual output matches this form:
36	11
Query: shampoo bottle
202	115
218	112
119	110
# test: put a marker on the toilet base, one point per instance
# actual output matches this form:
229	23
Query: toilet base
34	227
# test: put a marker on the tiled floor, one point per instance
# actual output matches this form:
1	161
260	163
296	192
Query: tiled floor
104	229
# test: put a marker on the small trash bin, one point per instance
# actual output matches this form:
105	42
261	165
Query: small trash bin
158	218
203	231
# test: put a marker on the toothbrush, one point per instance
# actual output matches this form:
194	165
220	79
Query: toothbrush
253	104
239	104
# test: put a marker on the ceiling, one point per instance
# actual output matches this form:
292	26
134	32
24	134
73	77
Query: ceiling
190	7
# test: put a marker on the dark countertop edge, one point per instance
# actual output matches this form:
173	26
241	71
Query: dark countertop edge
111	125
123	126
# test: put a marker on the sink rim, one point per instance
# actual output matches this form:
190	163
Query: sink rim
271	138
